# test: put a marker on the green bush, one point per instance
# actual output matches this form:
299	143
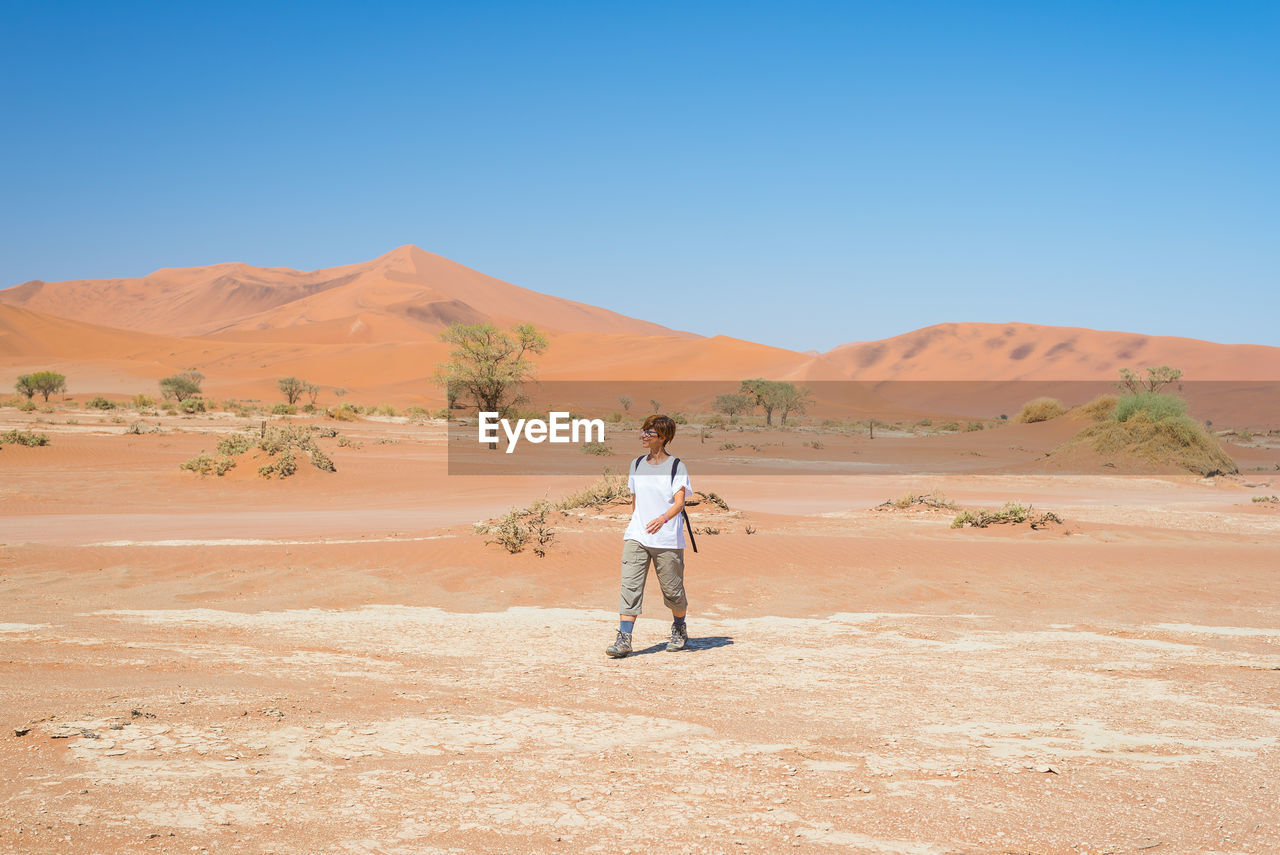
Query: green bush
974	426
236	443
1040	410
192	405
344	413
284	465
100	403
949	426
321	461
600	448
24	437
142	402
1012	512
203	464
284	409
1157	406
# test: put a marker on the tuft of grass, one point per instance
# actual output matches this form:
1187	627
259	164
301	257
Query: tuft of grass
1040	410
1175	439
100	403
598	448
1259	499
949	426
344	413
1012	512
205	464
282	409
1157	406
24	437
1101	407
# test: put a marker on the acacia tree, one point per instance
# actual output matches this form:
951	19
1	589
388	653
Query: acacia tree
44	382
1157	378
489	364
778	395
185	384
292	388
732	405
25	386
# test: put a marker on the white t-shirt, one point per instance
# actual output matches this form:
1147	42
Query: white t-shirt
655	492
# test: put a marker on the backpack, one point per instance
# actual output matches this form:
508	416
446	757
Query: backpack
675	463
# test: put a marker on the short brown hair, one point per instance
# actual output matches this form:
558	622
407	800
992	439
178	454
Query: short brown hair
663	426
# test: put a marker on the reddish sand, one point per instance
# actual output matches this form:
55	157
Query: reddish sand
338	662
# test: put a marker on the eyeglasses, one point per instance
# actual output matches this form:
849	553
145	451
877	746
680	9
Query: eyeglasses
648	434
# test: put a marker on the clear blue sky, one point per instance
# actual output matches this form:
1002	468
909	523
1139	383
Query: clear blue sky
799	174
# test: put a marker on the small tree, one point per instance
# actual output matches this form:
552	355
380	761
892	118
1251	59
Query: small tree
181	386
1157	378
25	386
490	364
773	395
656	404
313	392
733	405
292	388
625	401
44	382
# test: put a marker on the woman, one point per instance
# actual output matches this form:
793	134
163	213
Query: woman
655	534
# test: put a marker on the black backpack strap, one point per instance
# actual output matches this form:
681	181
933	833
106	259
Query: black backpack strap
675	464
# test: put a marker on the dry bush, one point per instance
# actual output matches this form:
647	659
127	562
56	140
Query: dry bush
597	448
204	464
344	413
24	437
1040	410
1259	499
1012	512
1175	440
931	499
609	488
1101	407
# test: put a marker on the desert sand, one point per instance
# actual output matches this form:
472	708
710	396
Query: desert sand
337	662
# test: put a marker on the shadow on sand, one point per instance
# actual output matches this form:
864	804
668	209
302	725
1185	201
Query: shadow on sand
694	645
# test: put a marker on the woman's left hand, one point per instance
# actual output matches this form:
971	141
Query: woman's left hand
655	525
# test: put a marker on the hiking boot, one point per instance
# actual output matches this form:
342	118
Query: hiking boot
679	638
621	647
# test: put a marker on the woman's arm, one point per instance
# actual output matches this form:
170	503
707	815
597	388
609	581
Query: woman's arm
677	505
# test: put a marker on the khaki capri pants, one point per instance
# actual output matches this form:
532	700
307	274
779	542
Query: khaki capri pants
668	564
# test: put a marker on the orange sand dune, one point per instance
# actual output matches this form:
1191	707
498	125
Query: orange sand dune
424	291
1015	351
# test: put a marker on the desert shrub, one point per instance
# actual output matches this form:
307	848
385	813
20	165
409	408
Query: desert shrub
321	461
599	448
284	465
1012	512
201	464
608	488
1244	435
728	446
76	422
1259	499
974	426
192	405
100	403
615	417
236	443
1101	407
928	500
138	428
223	464
708	529
714	498
815	444
142	402
949	426
442	413
282	409
716	422
417	412
1156	405
509	532
24	437
1040	410
383	410
344	413
1177	440
348	442
924	423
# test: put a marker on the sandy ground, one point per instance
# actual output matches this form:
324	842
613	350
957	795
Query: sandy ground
335	663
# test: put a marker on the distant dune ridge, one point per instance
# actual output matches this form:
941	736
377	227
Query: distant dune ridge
374	327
